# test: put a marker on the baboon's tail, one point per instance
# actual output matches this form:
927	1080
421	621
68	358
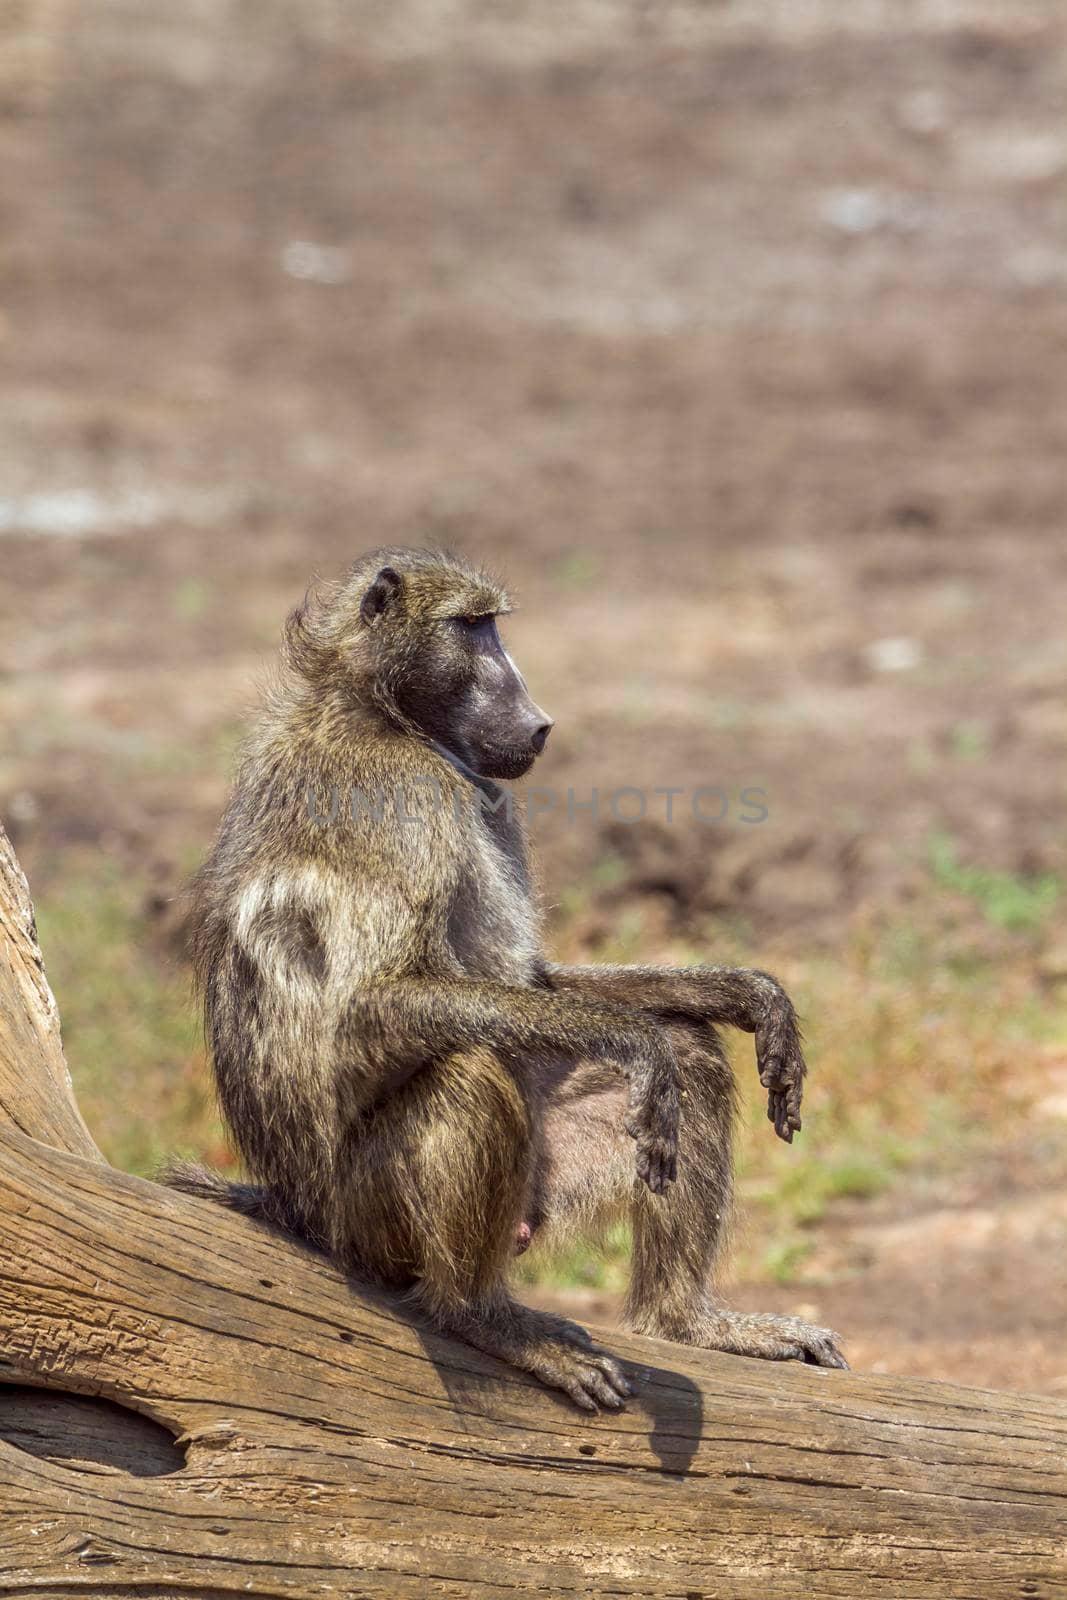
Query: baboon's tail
250	1199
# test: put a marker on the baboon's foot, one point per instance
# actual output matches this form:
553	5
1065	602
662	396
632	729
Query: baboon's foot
760	1334
559	1352
589	1376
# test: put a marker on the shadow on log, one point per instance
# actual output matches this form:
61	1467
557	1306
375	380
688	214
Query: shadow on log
225	1415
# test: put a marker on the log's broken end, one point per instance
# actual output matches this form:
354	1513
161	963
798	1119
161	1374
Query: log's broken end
192	1404
36	1094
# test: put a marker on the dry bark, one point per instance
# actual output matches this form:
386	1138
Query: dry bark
191	1404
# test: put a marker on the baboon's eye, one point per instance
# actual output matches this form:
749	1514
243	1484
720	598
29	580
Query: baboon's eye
478	631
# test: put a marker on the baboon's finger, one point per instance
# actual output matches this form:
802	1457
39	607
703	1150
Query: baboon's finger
653	1165
577	1392
773	1073
614	1375
782	1121
597	1384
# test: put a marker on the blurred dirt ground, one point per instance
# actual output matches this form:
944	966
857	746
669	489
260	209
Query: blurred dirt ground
734	334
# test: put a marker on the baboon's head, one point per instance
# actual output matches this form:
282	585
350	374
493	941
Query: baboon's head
417	630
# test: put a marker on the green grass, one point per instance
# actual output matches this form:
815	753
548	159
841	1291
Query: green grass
130	1030
577	570
970	741
783	1261
584	1264
1007	900
191	599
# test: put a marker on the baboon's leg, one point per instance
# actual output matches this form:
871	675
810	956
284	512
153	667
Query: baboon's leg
436	1181
676	1247
588	1166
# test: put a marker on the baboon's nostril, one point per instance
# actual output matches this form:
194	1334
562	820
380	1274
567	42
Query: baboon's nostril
542	733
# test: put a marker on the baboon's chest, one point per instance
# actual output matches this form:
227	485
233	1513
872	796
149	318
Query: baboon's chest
492	925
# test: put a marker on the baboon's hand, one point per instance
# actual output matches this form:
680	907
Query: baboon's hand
653	1121
781	1065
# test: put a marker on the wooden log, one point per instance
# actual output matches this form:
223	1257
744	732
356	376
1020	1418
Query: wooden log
194	1405
35	1088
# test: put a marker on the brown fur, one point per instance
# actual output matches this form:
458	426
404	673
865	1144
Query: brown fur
406	1077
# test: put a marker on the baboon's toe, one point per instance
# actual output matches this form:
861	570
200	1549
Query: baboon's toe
825	1351
801	1341
590	1378
767	1337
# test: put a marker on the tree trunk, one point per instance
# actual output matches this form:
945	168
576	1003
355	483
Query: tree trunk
191	1404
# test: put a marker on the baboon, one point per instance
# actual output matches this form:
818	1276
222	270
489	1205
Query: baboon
411	1083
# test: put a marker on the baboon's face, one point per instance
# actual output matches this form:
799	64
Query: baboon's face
457	682
487	718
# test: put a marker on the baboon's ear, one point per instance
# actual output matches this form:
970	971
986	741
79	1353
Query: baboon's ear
381	595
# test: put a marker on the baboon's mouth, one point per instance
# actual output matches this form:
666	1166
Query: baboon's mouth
514	762
507	763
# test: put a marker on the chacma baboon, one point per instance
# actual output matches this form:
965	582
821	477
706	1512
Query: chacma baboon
410	1082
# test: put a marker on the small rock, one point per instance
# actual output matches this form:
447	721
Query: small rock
923	112
893	655
1020	158
1038	268
853	211
316	263
861	211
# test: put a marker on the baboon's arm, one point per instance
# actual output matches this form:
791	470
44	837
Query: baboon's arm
395	1028
739	996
